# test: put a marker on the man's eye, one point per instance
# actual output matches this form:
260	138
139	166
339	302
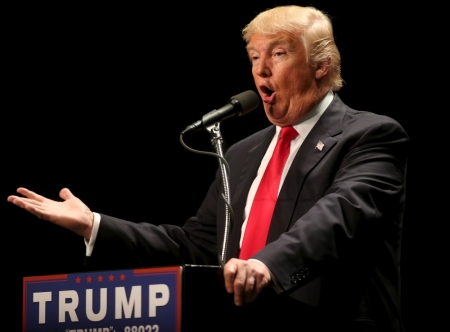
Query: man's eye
278	53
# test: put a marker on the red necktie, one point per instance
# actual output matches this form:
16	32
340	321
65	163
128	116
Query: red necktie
258	222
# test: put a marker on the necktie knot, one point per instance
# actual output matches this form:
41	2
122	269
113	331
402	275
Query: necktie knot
288	133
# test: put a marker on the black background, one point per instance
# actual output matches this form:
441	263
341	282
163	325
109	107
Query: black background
96	98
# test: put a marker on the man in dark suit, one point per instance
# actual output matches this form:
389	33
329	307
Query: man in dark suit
333	244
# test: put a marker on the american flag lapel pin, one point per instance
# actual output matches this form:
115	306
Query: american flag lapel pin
319	146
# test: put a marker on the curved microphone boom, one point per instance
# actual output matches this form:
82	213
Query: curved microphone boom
238	105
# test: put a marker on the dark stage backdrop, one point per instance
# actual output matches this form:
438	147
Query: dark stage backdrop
97	97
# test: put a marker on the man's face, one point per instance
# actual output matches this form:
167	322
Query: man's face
284	79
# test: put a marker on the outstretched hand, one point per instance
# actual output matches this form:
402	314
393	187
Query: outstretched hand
71	213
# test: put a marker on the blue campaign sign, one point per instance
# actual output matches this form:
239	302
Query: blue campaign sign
140	300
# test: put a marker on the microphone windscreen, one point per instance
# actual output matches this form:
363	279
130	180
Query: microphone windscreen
248	100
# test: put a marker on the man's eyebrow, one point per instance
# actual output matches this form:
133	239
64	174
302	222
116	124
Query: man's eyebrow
272	44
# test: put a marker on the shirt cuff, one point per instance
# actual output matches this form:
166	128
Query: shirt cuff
90	244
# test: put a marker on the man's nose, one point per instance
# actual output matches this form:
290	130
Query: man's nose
262	68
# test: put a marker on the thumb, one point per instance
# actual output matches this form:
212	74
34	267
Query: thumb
65	194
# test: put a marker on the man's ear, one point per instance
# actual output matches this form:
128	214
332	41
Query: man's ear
322	68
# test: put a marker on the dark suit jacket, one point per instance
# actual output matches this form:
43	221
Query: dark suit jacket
334	241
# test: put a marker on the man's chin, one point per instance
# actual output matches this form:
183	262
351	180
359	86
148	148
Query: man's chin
276	117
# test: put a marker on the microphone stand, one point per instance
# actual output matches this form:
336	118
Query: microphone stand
216	141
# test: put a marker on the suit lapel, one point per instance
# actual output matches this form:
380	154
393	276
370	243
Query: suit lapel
316	145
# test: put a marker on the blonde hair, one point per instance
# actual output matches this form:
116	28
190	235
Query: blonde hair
312	26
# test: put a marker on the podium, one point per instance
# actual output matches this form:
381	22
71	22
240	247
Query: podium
173	298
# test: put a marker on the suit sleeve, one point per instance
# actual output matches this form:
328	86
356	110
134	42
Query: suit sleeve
124	244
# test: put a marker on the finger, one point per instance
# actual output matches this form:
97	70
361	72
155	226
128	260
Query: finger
19	201
261	282
258	277
23	202
65	194
250	291
29	205
30	194
12	198
35	210
229	273
239	285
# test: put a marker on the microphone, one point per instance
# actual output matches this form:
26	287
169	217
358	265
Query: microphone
238	105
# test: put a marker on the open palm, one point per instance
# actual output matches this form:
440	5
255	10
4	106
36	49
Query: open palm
71	213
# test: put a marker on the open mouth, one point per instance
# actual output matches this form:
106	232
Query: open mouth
267	95
266	90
